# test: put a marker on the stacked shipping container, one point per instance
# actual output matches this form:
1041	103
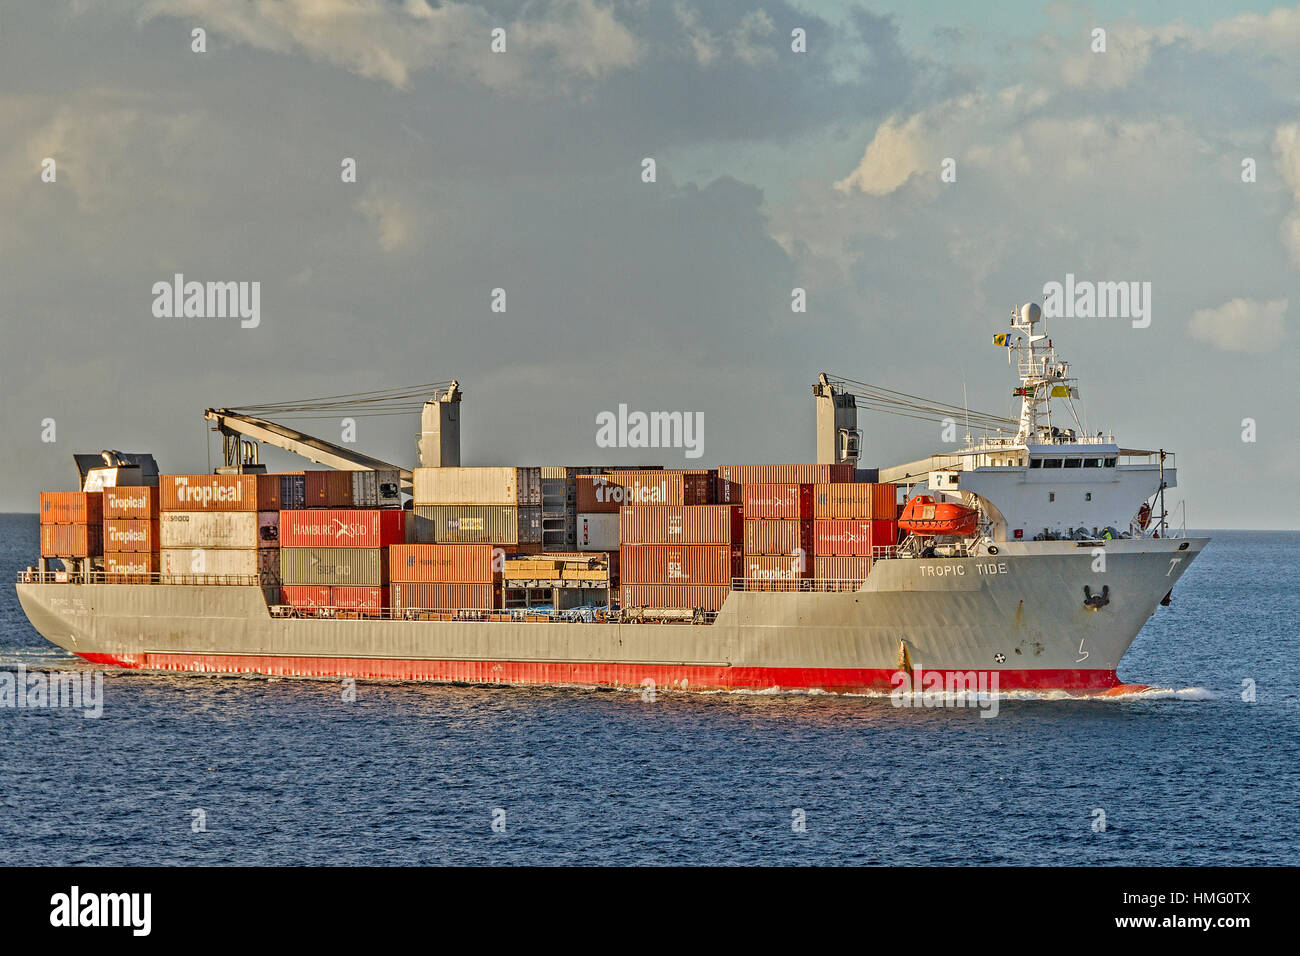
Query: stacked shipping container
849	520
778	534
498	506
444	576
131	532
678	556
219	525
72	524
338	557
733	478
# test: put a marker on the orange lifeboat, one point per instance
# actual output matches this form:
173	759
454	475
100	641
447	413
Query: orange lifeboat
922	515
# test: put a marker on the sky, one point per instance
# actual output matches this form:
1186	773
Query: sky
918	170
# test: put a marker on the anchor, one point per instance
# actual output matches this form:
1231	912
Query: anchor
1096	601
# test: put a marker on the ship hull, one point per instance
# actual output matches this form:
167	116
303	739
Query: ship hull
1020	615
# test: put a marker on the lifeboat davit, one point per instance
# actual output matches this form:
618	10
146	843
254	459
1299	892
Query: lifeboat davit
923	515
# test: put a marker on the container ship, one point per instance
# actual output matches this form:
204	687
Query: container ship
1035	554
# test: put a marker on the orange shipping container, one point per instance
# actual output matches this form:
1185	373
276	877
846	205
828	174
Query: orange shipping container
781	500
680	524
780	571
851	571
706	597
776	536
675	564
444	564
72	507
130	534
445	597
855	500
134	567
131	502
604	494
732	478
852	537
219	492
72	540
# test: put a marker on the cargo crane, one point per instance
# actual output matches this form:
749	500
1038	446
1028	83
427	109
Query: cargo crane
244	429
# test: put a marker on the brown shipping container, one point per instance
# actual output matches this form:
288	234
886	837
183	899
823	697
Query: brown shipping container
604	494
72	540
780	572
130	534
328	489
72	507
708	597
841	569
676	564
445	597
443	564
731	478
680	524
777	501
336	567
135	567
475	524
215	492
855	500
131	502
778	537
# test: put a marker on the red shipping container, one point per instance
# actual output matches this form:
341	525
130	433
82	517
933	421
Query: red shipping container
328	489
680	524
884	534
342	528
445	597
72	540
305	595
444	564
675	564
778	537
130	534
72	507
855	500
851	571
707	597
359	598
131	502
732	478
777	501
842	537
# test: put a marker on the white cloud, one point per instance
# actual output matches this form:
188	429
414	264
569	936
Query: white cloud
557	42
395	229
895	154
1241	325
1286	144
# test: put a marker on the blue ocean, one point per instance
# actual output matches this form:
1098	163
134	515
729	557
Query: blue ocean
201	770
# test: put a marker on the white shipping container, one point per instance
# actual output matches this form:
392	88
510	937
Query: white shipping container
377	489
210	529
478	486
244	562
598	532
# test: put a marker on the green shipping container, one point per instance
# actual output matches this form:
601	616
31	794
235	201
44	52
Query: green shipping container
475	524
335	567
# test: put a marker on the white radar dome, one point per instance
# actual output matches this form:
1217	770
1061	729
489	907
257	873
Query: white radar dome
1030	312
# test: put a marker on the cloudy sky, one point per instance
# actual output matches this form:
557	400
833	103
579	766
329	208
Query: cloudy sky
522	170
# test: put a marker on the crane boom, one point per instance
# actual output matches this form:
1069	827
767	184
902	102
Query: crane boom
231	424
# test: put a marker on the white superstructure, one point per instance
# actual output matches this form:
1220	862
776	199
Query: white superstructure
1050	480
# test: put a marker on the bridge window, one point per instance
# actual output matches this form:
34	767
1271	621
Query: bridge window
1110	462
1051	463
1073	463
1092	463
1035	463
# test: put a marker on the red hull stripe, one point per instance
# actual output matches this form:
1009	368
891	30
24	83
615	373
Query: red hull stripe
605	674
